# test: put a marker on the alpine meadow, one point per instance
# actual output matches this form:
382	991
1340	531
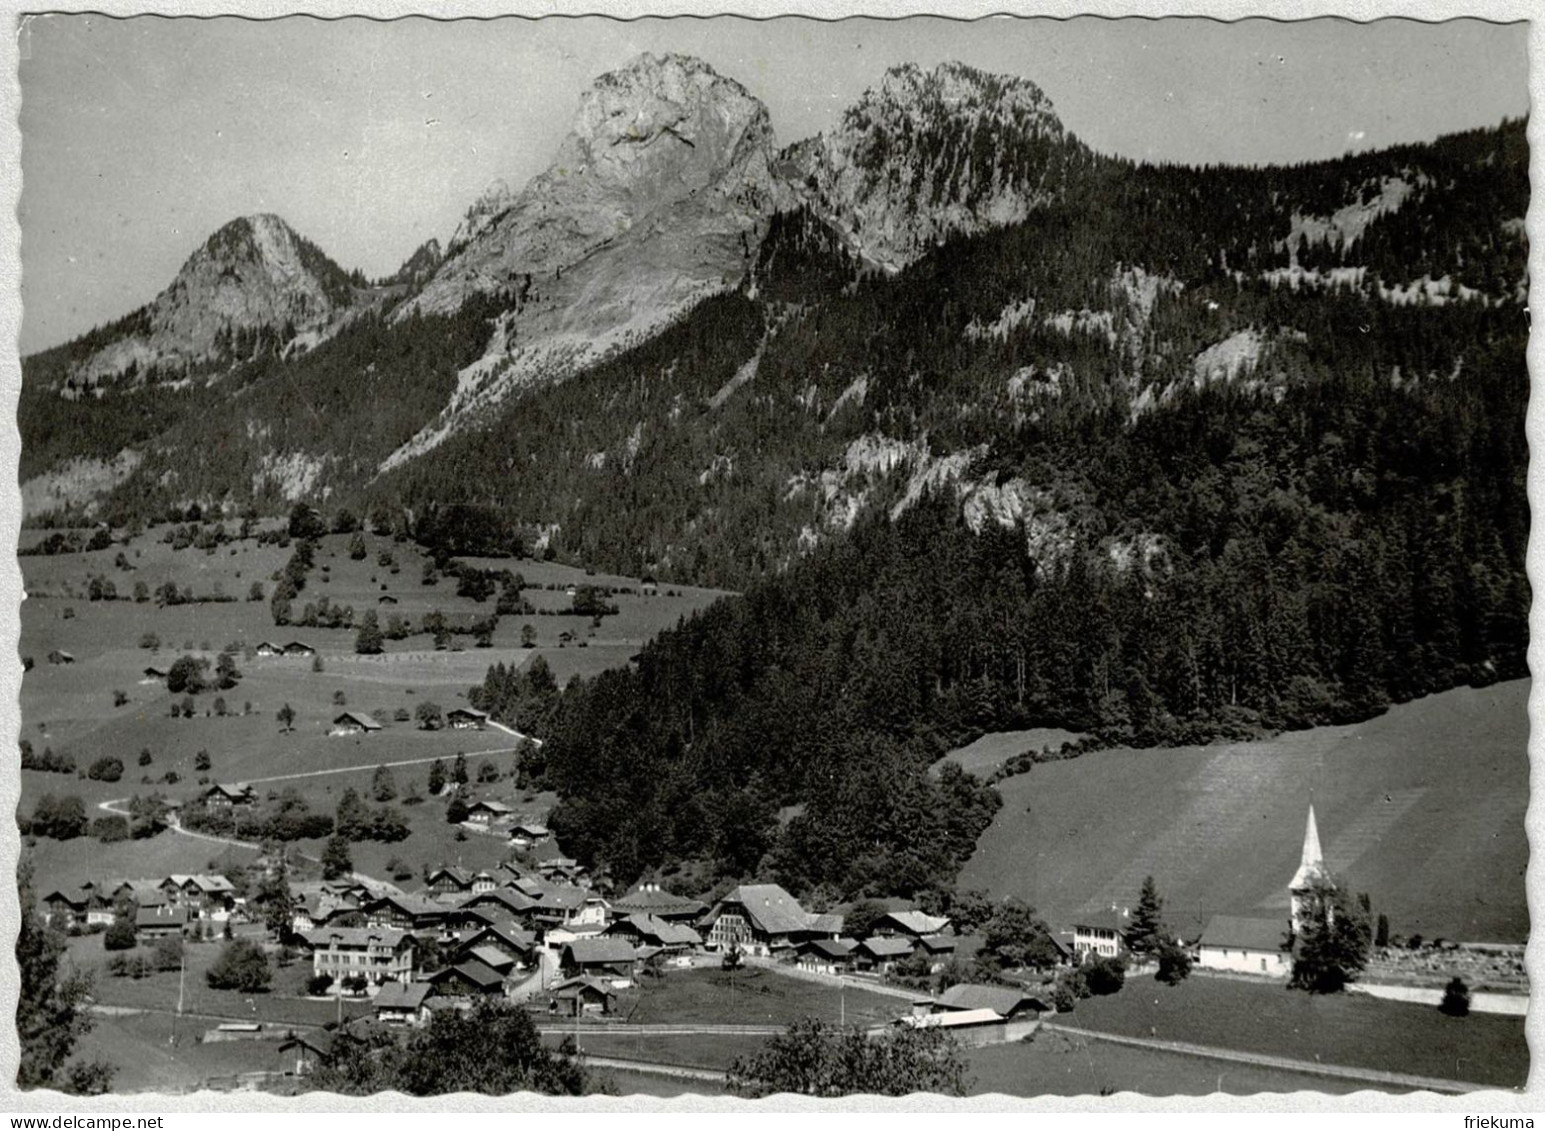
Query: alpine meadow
937	561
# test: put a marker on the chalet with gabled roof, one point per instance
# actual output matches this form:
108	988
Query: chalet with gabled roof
354	722
766	920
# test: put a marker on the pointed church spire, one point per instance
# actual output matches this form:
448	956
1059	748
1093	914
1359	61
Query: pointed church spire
1312	865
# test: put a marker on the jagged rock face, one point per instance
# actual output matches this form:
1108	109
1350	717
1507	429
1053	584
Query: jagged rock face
657	198
421	265
256	274
928	153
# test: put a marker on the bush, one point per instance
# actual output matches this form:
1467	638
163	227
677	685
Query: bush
1174	963
319	984
110	830
167	954
1456	998
1062	998
119	936
1076	982
1106	976
242	966
106	768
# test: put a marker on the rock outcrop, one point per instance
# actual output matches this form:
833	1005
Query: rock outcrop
658	197
254	281
928	153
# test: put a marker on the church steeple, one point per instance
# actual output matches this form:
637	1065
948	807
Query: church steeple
1311	870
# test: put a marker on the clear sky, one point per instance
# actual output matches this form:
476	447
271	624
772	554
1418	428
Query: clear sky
142	136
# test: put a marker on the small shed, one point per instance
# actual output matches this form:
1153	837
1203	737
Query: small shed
579	996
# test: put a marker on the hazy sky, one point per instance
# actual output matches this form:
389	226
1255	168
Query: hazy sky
142	136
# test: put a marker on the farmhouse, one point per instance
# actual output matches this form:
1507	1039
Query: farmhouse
386	599
881	952
826	956
298	648
652	899
67	907
376	953
466	718
529	834
913	924
1005	1001
203	896
402	1003
58	656
651	930
764	919
310	1047
518	945
449	881
468	978
354	722
224	795
268	648
405	913
601	957
1244	946
487	812
578	996
1102	933
503	901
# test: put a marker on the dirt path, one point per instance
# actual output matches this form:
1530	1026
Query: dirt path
1310	1067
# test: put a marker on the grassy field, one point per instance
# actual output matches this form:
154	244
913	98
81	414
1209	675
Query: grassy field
140	1047
285	1001
992	750
750	996
70	708
1422	808
1054	1064
1345	1029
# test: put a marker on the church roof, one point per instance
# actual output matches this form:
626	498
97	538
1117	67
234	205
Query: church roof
1312	866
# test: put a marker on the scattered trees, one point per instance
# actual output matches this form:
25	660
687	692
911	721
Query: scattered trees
814	1058
1016	936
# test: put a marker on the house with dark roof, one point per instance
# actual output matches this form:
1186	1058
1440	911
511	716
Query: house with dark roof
766	920
508	937
299	648
60	656
269	648
467	978
309	1048
65	908
225	795
405	912
449	881
152	923
825	956
599	958
1245	946
354	722
881	952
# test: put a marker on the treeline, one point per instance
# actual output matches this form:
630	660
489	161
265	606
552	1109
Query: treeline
1355	545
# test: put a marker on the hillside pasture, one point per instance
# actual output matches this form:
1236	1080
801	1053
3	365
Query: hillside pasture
992	750
1421	807
752	995
70	708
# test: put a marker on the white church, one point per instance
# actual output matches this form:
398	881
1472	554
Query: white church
1257	946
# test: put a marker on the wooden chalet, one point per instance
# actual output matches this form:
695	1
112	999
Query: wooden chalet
354	722
466	718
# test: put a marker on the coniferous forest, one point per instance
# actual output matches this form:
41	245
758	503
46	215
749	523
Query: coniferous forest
998	489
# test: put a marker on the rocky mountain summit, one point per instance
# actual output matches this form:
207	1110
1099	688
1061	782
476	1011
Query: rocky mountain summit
255	281
930	153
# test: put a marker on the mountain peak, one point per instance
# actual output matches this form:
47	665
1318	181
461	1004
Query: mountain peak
929	152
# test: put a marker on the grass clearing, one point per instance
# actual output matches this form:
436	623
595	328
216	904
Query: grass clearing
1347	1029
750	996
1055	1064
1421	807
992	750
